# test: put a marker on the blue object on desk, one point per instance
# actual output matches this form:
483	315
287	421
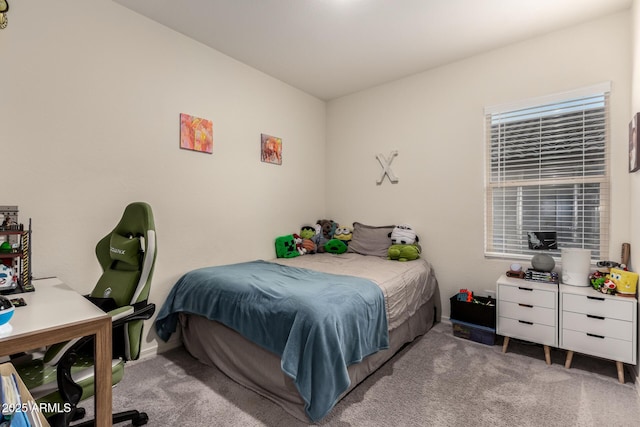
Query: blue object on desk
6	310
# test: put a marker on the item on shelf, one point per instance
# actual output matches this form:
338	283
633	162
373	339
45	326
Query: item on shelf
625	281
576	264
550	277
8	278
15	250
600	282
515	270
518	274
607	264
543	262
542	241
6	312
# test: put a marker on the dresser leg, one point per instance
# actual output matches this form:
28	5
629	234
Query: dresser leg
505	344
547	354
567	362
620	367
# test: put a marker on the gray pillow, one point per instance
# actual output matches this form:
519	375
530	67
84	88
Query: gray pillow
370	240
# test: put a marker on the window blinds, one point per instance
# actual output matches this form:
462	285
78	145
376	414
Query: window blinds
547	170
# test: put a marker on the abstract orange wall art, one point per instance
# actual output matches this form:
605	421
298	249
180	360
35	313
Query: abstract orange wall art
196	134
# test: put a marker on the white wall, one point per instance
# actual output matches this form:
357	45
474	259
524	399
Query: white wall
89	120
92	92
634	193
435	120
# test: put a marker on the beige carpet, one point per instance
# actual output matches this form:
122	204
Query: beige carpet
439	380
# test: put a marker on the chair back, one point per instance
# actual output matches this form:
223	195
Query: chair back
127	256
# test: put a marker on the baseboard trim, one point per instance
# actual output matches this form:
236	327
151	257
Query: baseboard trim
148	352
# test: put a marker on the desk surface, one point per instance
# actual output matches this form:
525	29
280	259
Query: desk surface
52	305
56	313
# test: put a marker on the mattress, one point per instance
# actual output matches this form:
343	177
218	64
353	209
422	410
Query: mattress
412	304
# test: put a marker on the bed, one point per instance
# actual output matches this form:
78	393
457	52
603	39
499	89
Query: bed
325	322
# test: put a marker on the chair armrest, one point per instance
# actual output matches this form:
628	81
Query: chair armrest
130	313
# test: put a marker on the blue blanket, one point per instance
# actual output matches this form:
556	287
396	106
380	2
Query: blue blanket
318	323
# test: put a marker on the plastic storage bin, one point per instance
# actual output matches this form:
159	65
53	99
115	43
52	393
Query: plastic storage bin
477	314
469	331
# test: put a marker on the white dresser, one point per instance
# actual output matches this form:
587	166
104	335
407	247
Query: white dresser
529	311
598	325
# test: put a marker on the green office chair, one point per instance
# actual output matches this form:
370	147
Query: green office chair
64	376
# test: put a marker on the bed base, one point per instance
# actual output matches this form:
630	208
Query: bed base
259	370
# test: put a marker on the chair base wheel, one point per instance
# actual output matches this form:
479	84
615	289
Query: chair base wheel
140	420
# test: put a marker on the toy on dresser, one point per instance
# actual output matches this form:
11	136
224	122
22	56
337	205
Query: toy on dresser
614	281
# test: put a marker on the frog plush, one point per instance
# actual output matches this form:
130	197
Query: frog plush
404	252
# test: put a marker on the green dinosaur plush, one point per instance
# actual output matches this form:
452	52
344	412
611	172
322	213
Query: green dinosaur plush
404	252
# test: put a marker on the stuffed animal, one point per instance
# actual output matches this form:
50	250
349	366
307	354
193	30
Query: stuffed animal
625	281
307	232
335	246
403	235
286	247
298	241
343	233
325	228
309	246
404	252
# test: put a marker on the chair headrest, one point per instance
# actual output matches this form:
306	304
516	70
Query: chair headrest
126	249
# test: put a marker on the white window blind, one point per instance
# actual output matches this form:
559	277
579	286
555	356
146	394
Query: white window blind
547	170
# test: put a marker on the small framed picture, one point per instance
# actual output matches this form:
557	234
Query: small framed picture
196	134
270	149
634	153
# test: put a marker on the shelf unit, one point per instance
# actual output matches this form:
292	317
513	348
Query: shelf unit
20	258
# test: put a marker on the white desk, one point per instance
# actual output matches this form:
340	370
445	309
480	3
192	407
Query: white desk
55	313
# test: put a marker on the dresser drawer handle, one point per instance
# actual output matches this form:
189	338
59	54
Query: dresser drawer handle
595	336
591	316
596	298
525	289
525	305
524	321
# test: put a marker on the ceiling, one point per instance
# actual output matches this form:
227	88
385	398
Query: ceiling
331	48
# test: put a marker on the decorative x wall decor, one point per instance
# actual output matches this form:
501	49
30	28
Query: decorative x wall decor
386	167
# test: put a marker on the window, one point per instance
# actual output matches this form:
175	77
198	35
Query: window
547	170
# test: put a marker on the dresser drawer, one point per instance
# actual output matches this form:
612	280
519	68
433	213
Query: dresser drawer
534	332
603	326
608	348
599	306
527	312
527	295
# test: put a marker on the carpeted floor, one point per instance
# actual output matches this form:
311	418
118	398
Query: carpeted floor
439	380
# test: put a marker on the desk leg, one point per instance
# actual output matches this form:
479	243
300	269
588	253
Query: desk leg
102	396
